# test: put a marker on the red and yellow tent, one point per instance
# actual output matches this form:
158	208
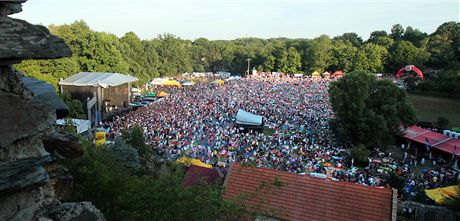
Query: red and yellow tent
162	94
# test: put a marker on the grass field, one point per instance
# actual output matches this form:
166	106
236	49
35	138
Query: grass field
429	108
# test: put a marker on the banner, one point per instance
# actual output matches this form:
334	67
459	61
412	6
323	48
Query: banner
100	137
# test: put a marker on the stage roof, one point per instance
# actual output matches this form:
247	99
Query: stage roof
98	79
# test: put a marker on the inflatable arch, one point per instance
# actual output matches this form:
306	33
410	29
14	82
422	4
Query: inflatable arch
409	68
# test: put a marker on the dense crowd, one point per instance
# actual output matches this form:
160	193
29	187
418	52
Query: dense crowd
199	122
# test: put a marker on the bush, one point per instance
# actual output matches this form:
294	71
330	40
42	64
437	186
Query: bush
123	194
124	154
134	137
360	154
443	122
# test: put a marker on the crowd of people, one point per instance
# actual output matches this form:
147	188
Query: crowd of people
199	121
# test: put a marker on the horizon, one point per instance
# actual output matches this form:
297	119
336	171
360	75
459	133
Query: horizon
290	19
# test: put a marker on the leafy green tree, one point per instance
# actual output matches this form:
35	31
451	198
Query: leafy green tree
368	111
133	52
290	61
442	122
375	35
173	55
123	193
343	56
360	154
350	37
448	82
75	106
370	57
414	36
318	55
152	58
444	45
385	42
397	32
134	136
403	53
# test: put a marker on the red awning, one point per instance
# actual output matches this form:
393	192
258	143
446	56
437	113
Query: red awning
436	140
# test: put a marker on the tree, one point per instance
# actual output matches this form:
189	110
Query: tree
133	52
75	106
414	36
442	122
370	57
375	35
368	111
444	45
173	55
134	137
290	61
403	53
343	56
122	192
397	32
350	37
318	55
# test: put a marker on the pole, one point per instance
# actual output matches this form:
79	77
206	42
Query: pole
249	61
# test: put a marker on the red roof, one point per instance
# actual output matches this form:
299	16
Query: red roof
195	174
290	196
338	73
436	140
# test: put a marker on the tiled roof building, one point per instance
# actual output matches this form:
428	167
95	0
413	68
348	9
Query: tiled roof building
289	196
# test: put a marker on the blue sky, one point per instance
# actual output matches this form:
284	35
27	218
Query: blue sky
230	19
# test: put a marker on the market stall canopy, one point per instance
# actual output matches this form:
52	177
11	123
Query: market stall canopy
219	82
98	79
246	118
150	94
162	94
315	74
188	83
440	194
172	83
438	141
190	161
158	81
326	74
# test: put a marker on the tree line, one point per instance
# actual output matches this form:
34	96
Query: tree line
168	55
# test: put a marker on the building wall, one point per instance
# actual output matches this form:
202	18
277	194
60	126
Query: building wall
107	97
116	96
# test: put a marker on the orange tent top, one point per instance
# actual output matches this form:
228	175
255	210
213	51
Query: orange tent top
326	74
338	73
162	94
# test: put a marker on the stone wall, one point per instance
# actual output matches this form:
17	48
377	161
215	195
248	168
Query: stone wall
31	178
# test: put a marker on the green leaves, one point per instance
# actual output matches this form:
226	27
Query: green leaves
168	55
368	111
123	193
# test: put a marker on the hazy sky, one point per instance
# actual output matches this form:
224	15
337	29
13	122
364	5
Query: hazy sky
229	19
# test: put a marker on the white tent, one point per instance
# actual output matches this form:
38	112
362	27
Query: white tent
81	124
158	81
248	119
98	79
